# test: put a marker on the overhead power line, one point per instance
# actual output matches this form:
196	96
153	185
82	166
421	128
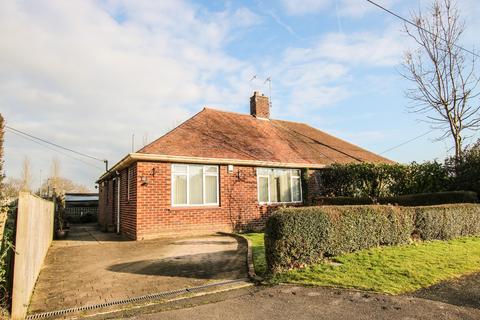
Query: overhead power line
407	142
419	27
56	150
31	136
54	144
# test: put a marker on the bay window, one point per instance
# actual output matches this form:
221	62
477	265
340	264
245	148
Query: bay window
279	185
194	185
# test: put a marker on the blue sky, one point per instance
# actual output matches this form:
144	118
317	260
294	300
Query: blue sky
89	74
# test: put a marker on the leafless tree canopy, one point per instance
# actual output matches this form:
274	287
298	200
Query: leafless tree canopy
442	73
26	176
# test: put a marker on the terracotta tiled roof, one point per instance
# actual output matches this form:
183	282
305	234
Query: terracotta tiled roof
218	134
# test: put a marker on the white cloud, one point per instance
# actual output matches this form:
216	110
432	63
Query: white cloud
300	7
357	9
367	49
88	77
346	8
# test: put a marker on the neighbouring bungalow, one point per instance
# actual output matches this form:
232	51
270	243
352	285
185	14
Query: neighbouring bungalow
218	171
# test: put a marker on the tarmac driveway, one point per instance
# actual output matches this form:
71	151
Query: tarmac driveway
91	267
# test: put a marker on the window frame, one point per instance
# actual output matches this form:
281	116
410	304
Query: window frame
186	174
293	175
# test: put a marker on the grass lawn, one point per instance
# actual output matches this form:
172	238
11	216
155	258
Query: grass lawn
258	249
393	270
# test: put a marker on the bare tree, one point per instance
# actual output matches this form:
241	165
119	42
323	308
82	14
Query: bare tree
26	175
55	174
442	73
58	184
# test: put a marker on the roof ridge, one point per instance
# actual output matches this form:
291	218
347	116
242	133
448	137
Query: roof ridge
225	111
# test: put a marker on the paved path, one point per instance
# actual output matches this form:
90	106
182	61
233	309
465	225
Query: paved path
298	303
92	267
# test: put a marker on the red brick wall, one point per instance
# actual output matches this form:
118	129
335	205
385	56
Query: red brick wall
128	201
149	212
105	204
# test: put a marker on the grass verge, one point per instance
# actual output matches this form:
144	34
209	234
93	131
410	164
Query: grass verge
258	250
393	270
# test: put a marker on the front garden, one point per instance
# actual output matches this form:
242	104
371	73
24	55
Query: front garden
393	270
387	249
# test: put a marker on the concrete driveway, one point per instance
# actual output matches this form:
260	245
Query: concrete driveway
92	267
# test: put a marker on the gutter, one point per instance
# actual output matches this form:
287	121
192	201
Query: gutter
135	157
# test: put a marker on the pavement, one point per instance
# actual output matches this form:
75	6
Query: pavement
292	302
91	267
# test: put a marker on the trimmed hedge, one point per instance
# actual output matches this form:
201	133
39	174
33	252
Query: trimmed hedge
295	237
430	199
298	236
421	199
447	222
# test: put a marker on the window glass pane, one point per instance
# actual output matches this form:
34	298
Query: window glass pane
195	184
296	173
179	189
274	182
263	171
211	169
284	185
296	189
211	189
263	189
180	168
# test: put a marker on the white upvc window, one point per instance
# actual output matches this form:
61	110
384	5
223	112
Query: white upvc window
279	185
194	185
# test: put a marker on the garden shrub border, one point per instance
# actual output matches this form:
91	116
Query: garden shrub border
421	199
295	237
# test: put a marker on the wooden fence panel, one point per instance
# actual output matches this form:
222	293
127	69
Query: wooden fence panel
34	235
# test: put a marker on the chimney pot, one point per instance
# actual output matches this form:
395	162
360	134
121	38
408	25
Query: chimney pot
259	106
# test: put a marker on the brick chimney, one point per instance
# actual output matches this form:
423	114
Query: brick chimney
259	106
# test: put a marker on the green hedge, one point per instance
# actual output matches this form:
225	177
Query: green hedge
447	222
429	199
382	180
298	236
421	199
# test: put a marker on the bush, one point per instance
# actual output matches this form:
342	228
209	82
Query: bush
429	199
298	236
342	201
466	172
382	180
447	222
421	199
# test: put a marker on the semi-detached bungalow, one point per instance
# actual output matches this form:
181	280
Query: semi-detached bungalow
218	171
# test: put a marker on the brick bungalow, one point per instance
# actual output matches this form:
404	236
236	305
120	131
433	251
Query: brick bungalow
218	171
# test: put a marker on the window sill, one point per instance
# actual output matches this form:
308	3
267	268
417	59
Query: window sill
209	207
278	203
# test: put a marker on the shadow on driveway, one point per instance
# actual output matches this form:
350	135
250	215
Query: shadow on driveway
464	291
214	265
